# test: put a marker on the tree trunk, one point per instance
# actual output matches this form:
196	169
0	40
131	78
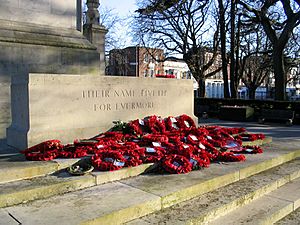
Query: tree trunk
279	73
233	89
201	83
251	93
223	48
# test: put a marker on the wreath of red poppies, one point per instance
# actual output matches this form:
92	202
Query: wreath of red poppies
230	157
171	124
175	144
250	137
132	158
155	125
45	151
176	164
153	154
185	122
108	161
73	151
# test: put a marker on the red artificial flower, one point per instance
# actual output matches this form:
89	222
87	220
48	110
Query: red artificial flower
108	161
152	155
185	122
230	157
45	151
73	151
176	164
155	125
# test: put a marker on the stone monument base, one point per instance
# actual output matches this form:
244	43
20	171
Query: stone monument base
68	107
33	48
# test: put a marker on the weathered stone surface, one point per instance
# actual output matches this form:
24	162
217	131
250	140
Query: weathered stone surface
210	206
6	219
17	59
45	12
119	202
67	107
111	203
41	37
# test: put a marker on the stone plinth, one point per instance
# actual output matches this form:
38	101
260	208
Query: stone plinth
41	37
69	107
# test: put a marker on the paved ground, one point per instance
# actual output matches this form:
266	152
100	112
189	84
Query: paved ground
279	132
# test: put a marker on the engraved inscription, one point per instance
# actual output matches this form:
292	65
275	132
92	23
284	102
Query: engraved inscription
95	97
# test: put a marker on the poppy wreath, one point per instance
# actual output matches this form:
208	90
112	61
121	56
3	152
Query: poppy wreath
161	138
45	151
176	164
184	150
230	157
216	141
211	152
155	125
252	149
192	139
108	161
235	130
73	151
112	135
123	146
202	159
250	137
185	122
135	127
199	132
171	124
152	155
90	145
199	162
132	158
174	137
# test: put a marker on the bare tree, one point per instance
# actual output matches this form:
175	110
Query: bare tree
182	27
223	31
278	18
253	63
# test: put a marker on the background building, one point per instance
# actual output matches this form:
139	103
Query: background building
136	61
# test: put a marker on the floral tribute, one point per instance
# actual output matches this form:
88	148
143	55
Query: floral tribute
175	144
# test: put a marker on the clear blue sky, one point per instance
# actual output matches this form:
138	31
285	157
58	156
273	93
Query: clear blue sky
122	7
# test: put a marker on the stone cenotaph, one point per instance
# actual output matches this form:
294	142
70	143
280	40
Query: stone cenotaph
57	85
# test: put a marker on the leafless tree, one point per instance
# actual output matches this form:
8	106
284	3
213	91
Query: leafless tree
279	18
183	28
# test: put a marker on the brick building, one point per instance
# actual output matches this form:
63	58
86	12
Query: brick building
136	61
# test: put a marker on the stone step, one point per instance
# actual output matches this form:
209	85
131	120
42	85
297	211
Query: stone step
119	202
17	168
267	209
291	219
21	191
220	202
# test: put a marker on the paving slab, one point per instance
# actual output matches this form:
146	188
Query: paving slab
6	219
111	203
211	205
